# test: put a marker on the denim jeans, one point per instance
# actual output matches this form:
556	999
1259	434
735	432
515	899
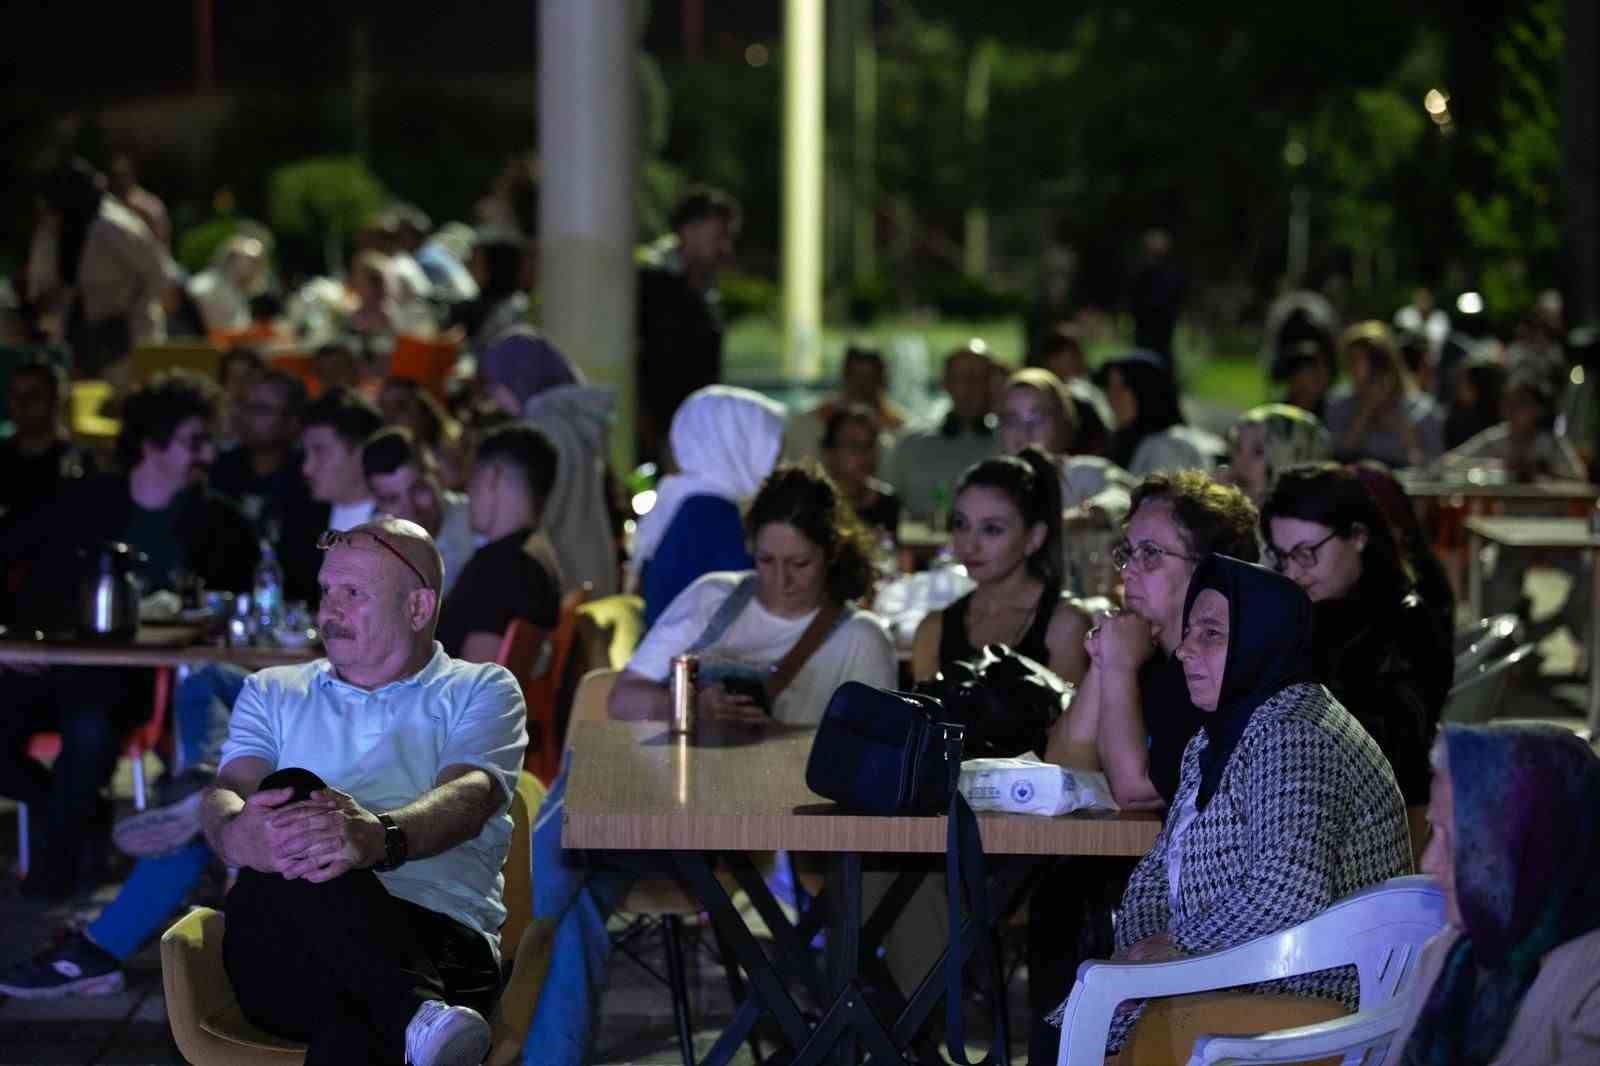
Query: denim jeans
158	886
577	890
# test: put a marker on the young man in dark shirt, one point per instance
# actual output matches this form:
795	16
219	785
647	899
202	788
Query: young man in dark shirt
163	509
509	577
261	473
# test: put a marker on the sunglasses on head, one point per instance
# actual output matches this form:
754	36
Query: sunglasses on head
333	538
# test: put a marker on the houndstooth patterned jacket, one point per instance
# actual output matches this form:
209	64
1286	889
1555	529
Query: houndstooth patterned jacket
1306	813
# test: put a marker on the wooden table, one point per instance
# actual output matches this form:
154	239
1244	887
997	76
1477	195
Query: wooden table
148	649
1432	488
635	787
1548	534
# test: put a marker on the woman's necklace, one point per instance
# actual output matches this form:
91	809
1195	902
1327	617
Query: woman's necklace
1021	631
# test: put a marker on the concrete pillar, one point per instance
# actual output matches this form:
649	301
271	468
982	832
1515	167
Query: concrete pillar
803	146
589	155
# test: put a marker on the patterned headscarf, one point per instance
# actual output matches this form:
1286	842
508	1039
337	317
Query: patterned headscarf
1292	436
1527	844
1269	649
524	361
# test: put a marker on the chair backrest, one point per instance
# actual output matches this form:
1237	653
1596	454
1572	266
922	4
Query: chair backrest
525	650
1485	642
518	894
425	361
196	355
608	630
1477	697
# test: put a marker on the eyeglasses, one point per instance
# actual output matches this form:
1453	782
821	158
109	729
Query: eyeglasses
1302	555
333	538
1147	552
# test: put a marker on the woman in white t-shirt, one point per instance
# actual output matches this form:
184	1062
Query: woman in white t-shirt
812	558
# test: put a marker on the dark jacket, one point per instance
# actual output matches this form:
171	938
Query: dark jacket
680	350
217	541
1388	660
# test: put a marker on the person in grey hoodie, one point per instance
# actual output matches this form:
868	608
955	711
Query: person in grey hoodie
526	375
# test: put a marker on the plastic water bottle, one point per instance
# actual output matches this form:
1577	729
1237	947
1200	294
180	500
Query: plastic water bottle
268	598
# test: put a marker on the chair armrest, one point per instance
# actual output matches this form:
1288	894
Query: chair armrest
193	977
1358	1032
1086	1019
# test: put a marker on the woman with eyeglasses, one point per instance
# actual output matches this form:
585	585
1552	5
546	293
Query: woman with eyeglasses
1038	409
1377	646
850	454
1005	528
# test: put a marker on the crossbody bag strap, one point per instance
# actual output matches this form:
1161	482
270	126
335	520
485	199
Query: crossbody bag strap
726	613
828	617
964	867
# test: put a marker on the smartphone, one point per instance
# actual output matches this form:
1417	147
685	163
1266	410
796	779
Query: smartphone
749	687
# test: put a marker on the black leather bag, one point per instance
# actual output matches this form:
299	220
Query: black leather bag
1007	701
884	753
878	752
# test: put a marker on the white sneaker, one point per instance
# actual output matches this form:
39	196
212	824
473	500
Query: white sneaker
442	1035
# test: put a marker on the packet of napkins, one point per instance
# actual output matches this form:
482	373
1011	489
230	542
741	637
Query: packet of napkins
1027	784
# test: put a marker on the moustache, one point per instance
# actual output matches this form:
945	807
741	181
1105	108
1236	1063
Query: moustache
337	632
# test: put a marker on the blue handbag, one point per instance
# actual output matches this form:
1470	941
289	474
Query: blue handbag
885	753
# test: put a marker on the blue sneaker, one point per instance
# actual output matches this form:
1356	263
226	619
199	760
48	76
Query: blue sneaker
75	967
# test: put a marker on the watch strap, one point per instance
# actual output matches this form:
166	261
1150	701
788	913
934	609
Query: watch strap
394	844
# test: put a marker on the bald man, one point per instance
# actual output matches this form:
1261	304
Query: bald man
365	798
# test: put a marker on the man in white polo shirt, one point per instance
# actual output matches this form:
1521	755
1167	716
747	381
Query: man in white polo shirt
366	799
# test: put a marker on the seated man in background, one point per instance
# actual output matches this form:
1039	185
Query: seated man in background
163	511
863	381
514	574
40	454
334	429
262	471
404	482
930	458
365	798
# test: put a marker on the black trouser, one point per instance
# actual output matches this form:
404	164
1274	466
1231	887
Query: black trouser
1069	921
343	965
93	708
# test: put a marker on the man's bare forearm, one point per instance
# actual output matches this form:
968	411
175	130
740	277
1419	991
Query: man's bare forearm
448	814
220	806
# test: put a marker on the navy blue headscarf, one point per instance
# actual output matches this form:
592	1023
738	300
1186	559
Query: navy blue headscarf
1269	649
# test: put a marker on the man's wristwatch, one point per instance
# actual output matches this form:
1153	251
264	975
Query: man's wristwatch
394	844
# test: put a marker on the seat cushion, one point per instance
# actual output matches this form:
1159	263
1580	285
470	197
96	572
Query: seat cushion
230	1024
1167	1029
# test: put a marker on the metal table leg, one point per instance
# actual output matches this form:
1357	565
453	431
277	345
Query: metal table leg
1475	575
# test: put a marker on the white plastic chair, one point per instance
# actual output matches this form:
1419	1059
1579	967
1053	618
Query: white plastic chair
1475	698
1380	930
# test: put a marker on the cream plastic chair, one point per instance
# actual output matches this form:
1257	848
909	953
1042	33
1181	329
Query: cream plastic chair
1380	930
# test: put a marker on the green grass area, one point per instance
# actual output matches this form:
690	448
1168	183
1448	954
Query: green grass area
1218	369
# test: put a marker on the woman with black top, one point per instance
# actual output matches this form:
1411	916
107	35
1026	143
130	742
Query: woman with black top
1382	652
1005	528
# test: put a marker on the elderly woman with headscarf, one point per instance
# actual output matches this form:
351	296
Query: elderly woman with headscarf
525	375
1285	804
1270	438
1514	977
725	440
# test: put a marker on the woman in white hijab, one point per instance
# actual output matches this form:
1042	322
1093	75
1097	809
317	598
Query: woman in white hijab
725	440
